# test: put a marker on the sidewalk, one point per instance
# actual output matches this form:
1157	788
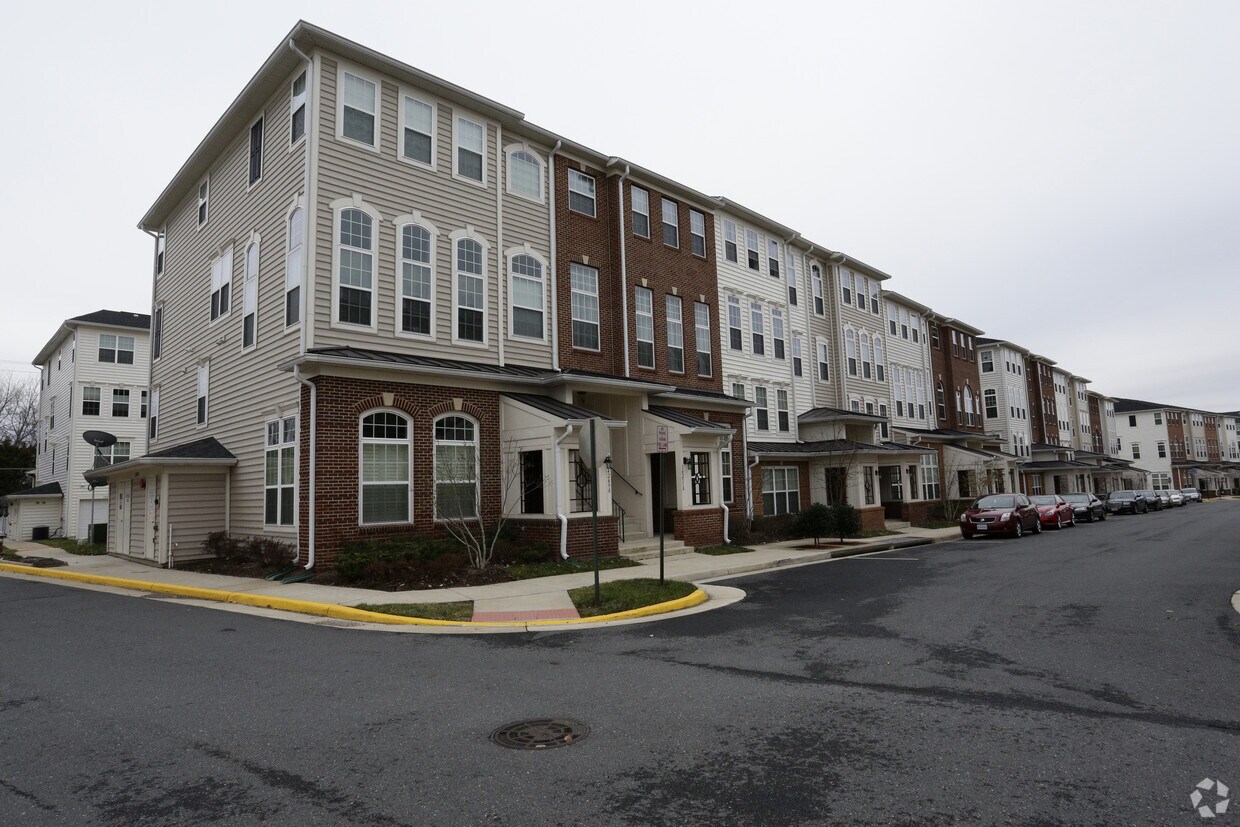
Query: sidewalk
541	600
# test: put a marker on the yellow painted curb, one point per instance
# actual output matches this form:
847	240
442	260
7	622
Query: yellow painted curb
333	610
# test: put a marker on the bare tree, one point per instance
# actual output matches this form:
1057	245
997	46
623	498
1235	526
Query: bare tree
19	408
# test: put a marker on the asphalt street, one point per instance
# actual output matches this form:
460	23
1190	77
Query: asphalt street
1087	676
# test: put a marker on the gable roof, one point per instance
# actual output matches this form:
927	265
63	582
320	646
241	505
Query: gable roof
101	318
686	419
48	489
205	448
556	408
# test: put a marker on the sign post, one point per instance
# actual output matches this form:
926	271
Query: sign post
592	454
661	435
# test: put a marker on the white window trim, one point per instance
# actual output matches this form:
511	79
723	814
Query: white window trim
404	93
226	277
633	189
699	340
292	107
200	201
400	222
409	474
663	222
337	207
542	172
598	307
568	201
457	116
202	390
300	279
262	152
526	250
693	235
637	314
472	234
255	241
341	69
477	463
296	446
667	330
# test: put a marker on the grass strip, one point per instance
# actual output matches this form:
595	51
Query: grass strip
623	595
73	546
458	610
527	571
715	551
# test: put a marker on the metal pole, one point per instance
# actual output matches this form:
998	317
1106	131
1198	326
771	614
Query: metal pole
594	486
662	499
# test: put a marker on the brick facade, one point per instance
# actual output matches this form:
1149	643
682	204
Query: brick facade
953	363
872	518
698	527
915	513
580	535
1098	441
1044	416
802	467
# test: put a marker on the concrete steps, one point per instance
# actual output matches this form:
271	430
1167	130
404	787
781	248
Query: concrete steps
895	525
646	548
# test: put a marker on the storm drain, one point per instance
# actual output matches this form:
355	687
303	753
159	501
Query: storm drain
540	733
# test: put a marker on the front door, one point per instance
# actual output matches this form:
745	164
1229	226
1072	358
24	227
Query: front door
123	493
658	483
151	546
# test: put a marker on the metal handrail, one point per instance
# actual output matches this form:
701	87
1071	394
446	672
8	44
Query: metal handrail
626	482
620	523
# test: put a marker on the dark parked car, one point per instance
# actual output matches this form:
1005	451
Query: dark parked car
1000	514
1151	499
1053	510
1191	495
1086	507
1163	497
1130	502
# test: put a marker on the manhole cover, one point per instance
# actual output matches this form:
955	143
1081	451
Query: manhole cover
540	733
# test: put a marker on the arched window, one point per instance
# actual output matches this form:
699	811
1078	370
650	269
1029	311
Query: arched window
456	468
294	265
249	297
416	280
880	363
470	291
525	174
940	401
850	349
526	296
355	273
866	355
384	469
968	404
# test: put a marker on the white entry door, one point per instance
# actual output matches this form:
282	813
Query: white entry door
151	549
123	493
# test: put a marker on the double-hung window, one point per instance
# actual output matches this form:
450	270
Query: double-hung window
470	291
416	281
701	337
643	303
772	257
527	297
280	473
204	195
355	247
892	315
585	306
249	298
581	193
781	492
221	284
791	262
358	105
640	200
417	128
470	138
113	349
777	332
90	401
990	398
846	286
762	414
157	332
824	368
142	411
456	468
781	409
204	381
297	106
294	266
796	355
816	286
738	390
880	361
385	487
757	328
671	223
697	233
875	306
699	470
675	335
725	470
256	151
729	240
152	431
735	335
751	250
850	351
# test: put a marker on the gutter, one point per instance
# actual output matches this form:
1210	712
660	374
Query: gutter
314	398
559	481
501	309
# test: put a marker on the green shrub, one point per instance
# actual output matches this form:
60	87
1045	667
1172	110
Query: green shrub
402	556
815	520
845	521
260	550
770	529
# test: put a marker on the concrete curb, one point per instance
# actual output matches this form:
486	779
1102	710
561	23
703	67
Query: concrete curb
1235	601
820	557
338	612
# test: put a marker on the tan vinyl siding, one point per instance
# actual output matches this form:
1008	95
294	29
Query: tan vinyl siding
395	187
195	509
245	388
137	517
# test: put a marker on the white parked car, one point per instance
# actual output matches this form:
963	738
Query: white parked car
1191	495
1177	499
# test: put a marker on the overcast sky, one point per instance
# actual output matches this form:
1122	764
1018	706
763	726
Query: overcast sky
1062	175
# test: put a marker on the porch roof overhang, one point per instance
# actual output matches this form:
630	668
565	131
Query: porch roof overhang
833	447
688	423
561	413
704	397
50	489
838	415
1057	465
205	454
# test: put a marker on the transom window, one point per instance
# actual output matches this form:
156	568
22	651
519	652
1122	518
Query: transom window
527	296
280	477
641	211
385	486
358	106
417	131
456	468
525	174
675	335
470	149
470	291
643	303
585	306
416	297
356	267
581	193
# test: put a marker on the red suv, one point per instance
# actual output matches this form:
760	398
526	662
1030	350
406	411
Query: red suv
1000	514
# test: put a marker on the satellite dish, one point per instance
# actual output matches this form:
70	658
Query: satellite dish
100	439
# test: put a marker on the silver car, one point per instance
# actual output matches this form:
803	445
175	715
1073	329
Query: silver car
1177	499
1191	495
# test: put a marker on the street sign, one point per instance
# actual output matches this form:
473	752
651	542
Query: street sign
662	438
594	449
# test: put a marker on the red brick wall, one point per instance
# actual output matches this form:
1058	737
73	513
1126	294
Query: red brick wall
580	535
956	372
341	403
1095	426
1044	423
916	513
756	488
699	527
872	518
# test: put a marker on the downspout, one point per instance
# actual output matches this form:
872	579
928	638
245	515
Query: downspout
555	274
624	276
559	481
501	309
307	233
314	397
725	441
748	467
